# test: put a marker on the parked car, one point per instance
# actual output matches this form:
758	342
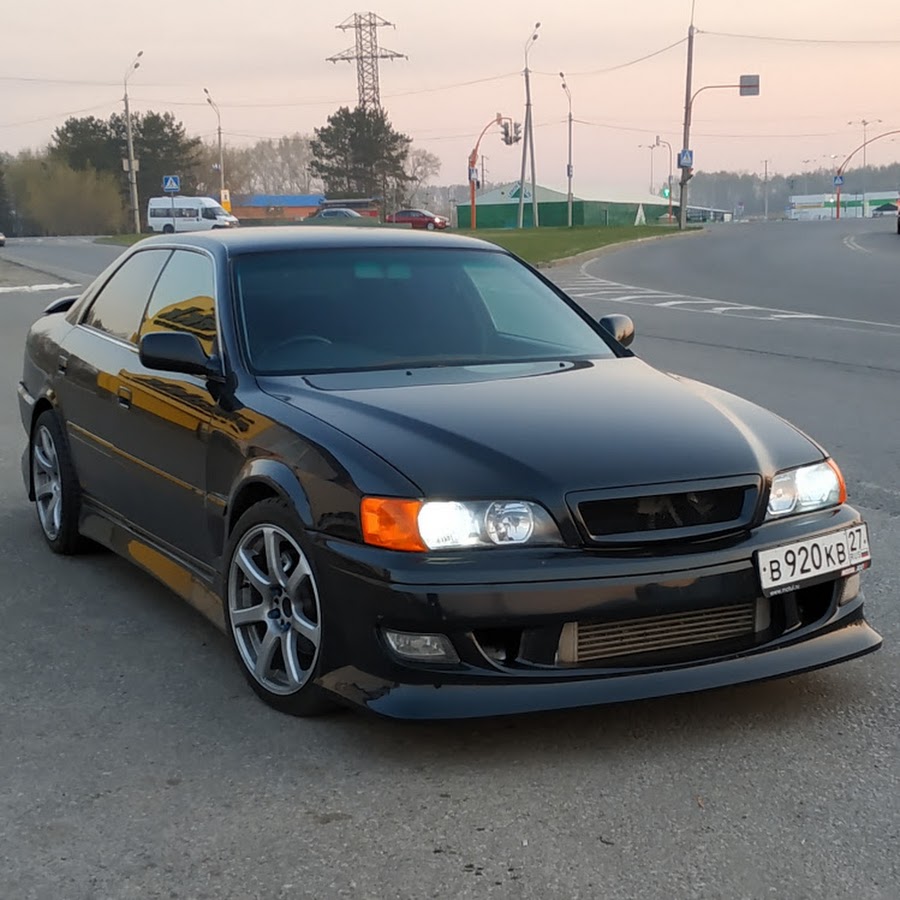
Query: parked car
2	239
418	218
336	212
413	475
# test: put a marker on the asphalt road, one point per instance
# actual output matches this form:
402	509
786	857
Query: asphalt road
134	762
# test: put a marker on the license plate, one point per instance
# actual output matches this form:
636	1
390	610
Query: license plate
802	563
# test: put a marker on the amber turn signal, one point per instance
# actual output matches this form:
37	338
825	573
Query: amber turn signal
392	523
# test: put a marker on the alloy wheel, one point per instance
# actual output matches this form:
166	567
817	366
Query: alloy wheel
47	481
274	611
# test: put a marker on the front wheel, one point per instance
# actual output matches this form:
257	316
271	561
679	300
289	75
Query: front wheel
430	226
168	229
273	610
57	495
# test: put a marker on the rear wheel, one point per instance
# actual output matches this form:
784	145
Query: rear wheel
273	610
168	229
57	495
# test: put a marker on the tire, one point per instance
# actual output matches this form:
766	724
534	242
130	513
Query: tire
168	229
275	622
430	226
56	489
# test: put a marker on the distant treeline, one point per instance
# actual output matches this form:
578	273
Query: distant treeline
728	190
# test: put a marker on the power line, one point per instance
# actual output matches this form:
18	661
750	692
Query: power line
628	128
624	65
789	40
59	115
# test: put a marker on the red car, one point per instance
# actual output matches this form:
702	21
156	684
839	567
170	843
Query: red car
417	218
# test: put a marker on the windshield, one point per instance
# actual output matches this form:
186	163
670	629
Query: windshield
213	212
360	308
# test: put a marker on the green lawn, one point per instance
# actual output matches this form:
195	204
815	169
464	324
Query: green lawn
536	245
541	245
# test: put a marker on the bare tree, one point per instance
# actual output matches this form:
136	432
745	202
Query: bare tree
421	167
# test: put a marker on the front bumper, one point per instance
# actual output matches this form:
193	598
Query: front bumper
532	594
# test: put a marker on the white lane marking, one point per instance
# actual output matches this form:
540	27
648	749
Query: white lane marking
31	288
615	292
851	244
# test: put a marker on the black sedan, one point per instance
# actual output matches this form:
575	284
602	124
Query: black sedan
407	472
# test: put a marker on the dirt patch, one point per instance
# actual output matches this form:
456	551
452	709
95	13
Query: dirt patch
14	275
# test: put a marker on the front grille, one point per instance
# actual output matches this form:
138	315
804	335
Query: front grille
587	642
659	512
685	510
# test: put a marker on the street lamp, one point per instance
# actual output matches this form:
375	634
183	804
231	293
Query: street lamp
569	169
651	148
132	168
528	142
659	143
865	124
223	198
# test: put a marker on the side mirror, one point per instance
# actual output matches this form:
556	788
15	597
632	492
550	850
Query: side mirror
177	351
63	304
620	327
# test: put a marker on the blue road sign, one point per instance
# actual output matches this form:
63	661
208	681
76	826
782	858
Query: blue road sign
171	184
838	180
686	159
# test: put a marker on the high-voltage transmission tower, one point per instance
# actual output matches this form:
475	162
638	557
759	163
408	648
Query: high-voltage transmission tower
366	53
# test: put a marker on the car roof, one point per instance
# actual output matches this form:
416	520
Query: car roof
298	237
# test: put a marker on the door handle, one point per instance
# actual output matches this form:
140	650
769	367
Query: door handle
62	364
124	397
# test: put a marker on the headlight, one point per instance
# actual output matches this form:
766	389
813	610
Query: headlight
807	488
451	524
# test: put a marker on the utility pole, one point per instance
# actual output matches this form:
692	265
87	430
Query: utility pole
766	190
528	142
132	166
222	195
686	136
569	169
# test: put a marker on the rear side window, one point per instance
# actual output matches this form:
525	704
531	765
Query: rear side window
118	308
184	299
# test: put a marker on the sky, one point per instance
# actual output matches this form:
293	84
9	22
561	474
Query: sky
268	73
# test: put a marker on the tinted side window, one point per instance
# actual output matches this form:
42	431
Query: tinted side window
183	299
118	307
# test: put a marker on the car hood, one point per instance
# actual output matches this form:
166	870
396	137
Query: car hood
536	428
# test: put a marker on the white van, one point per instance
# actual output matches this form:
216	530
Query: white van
170	214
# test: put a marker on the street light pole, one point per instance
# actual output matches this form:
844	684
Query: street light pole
660	143
569	169
651	148
527	142
132	174
865	124
766	190
212	103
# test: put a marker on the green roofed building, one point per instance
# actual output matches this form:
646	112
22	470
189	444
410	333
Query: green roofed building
499	208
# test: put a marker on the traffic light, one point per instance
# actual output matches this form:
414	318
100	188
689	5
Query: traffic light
507	137
517	132
665	192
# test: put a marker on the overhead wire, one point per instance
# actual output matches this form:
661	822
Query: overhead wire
624	65
792	40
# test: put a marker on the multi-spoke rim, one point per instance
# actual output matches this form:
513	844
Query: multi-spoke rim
273	604
47	481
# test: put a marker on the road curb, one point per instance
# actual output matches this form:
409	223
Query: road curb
588	255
